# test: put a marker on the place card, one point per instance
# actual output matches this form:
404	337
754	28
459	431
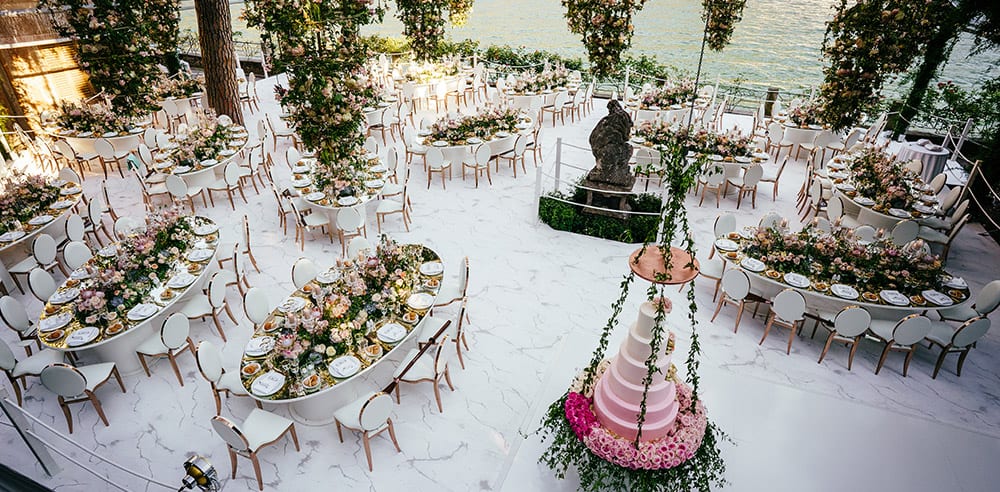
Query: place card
83	336
344	367
268	384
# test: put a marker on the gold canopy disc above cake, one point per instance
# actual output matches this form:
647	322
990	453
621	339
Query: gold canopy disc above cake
651	266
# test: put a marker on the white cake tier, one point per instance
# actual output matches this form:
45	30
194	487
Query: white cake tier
647	315
638	344
632	367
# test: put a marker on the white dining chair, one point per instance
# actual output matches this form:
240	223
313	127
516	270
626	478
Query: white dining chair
18	370
15	316
229	183
78	384
172	340
41	284
200	306
181	192
357	246
986	302
904	231
774	177
109	156
787	311
724	224
901	336
308	222
745	185
350	224
479	162
455	290
735	292
944	239
848	327
209	359
770	220
712	180
431	367
76	254
369	415
303	272
864	234
259	430
958	340
256	306
433	328
43	255
436	163
245	243
391	206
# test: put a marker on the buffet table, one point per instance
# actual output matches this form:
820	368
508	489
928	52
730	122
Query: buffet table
112	336
934	157
317	350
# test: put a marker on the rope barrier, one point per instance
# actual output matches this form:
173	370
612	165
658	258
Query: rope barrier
81	448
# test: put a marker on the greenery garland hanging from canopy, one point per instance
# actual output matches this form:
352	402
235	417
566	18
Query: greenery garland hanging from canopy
606	28
317	44
120	44
423	25
458	11
721	17
866	42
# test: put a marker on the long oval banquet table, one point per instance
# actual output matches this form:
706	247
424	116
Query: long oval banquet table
59	330
313	392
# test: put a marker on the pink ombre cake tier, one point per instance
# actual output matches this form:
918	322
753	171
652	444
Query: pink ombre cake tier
618	394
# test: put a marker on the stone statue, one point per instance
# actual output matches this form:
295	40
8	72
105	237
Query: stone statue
610	144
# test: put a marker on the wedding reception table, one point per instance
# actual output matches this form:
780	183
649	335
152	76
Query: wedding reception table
207	171
320	348
824	294
934	157
68	324
83	143
865	210
15	244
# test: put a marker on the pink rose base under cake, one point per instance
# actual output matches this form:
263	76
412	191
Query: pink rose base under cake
618	393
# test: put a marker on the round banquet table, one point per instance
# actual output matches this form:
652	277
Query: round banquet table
934	160
206	176
120	348
15	251
317	408
121	143
865	215
829	305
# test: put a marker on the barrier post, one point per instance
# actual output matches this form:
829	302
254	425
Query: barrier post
558	163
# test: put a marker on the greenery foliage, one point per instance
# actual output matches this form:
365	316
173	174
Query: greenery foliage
120	44
866	42
721	17
423	25
318	45
606	28
572	218
529	59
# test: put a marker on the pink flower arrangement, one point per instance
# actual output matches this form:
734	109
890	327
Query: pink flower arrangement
666	452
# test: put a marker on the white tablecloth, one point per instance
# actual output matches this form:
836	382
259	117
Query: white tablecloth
934	160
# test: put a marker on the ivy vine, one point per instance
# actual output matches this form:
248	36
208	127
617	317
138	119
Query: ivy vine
606	29
720	17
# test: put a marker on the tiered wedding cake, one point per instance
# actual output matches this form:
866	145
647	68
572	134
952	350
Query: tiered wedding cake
619	392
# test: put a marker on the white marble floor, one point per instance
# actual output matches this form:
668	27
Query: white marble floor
538	299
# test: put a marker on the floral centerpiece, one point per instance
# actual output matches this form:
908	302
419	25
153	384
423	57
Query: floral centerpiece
549	78
701	141
669	95
487	123
140	262
205	140
22	197
95	118
180	87
429	72
807	113
879	177
840	258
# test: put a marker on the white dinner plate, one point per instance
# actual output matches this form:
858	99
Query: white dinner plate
440	143
374	183
268	384
328	277
61	204
204	230
209	162
420	301
503	134
924	209
53	323
11	236
299	169
762	155
747	232
894	297
742	159
347	201
844	291
58	183
163	165
638	140
474	140
181	280
432	268
199	255
753	264
837	175
957	283
292	304
937	298
846	187
391	332
142	311
70	191
315	196
109	134
86	134
227	152
83	336
865	201
258	346
301	183
898	212
796	280
815	127
724	244
379	169
182	169
80	274
64	296
108	251
423	133
344	367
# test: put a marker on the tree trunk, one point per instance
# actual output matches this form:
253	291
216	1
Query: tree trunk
215	35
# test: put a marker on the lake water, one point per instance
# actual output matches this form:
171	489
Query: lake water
777	43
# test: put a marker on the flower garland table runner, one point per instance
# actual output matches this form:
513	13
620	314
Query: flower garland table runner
314	349
31	205
835	270
874	181
456	137
81	126
199	155
729	153
128	287
347	195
